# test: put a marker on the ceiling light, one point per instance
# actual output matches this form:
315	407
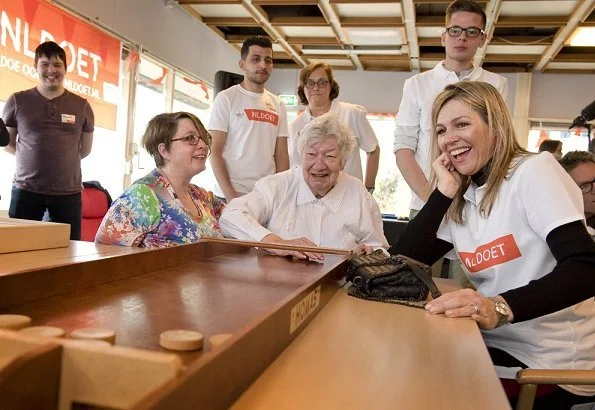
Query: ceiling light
583	37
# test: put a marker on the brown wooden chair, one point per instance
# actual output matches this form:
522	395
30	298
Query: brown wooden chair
529	379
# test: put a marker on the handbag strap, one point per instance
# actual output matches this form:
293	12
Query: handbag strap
422	275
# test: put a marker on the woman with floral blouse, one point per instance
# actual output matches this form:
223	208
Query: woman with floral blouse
163	208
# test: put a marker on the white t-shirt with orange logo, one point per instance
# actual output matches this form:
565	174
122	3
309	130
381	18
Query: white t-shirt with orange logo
508	249
253	122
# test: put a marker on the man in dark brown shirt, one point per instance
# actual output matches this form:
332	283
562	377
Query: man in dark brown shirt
51	130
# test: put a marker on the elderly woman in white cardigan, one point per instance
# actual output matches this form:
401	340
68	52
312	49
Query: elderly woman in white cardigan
314	204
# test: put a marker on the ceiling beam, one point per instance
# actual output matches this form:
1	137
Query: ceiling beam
581	11
512	58
331	15
256	13
531	21
492	11
207	2
298	21
408	10
325	41
230	21
372	22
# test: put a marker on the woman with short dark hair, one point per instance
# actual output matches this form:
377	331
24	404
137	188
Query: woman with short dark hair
163	208
318	90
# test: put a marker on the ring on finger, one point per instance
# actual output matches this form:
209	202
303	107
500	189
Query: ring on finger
476	307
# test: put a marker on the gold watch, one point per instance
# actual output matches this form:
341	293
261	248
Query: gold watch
502	310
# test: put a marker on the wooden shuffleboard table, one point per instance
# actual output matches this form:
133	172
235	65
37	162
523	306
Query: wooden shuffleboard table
298	341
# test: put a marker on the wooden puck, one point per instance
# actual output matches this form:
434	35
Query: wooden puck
94	333
218	339
88	342
43	331
14	322
181	340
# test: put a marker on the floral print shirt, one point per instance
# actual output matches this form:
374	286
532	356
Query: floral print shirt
149	215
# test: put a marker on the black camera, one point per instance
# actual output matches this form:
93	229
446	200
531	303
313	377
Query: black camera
587	114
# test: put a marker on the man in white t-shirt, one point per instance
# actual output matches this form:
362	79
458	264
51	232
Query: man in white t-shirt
248	125
465	21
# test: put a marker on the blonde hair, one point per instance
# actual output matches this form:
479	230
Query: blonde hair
485	100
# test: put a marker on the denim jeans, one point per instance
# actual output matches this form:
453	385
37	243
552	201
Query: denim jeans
61	208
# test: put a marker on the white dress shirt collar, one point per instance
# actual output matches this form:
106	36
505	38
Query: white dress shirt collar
332	200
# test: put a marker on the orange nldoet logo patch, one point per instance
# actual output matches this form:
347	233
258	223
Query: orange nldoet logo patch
498	251
262	115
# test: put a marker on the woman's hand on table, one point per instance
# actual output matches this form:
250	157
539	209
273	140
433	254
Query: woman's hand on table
275	239
466	303
360	250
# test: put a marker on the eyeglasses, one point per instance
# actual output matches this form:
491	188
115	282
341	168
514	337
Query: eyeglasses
320	83
456	31
193	139
587	187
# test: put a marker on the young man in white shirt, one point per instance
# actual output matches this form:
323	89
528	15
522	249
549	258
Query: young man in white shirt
248	125
463	35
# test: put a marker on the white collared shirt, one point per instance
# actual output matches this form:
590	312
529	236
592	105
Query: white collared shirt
284	204
414	119
353	117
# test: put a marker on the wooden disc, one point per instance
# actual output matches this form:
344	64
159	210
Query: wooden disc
88	342
181	340
94	333
43	331
218	339
14	322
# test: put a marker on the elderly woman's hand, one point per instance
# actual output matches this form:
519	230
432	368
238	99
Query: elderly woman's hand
272	238
449	179
466	303
360	250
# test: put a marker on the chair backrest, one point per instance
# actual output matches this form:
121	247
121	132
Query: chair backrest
96	202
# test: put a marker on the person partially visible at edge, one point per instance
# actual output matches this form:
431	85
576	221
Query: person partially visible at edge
50	130
553	146
163	208
314	204
318	90
463	35
516	222
580	165
248	125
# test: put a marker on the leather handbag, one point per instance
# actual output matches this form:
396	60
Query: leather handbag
393	279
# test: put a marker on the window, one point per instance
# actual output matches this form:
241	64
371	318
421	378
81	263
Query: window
575	139
194	96
392	192
7	164
150	100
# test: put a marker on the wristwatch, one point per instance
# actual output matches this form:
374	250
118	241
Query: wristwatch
502	310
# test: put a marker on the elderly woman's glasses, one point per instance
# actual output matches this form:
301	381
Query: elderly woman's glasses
587	187
192	139
456	31
320	83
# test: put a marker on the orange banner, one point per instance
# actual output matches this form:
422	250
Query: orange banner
93	57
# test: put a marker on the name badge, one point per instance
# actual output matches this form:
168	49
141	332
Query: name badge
68	118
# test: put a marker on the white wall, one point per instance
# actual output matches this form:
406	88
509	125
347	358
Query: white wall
377	91
560	96
169	33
